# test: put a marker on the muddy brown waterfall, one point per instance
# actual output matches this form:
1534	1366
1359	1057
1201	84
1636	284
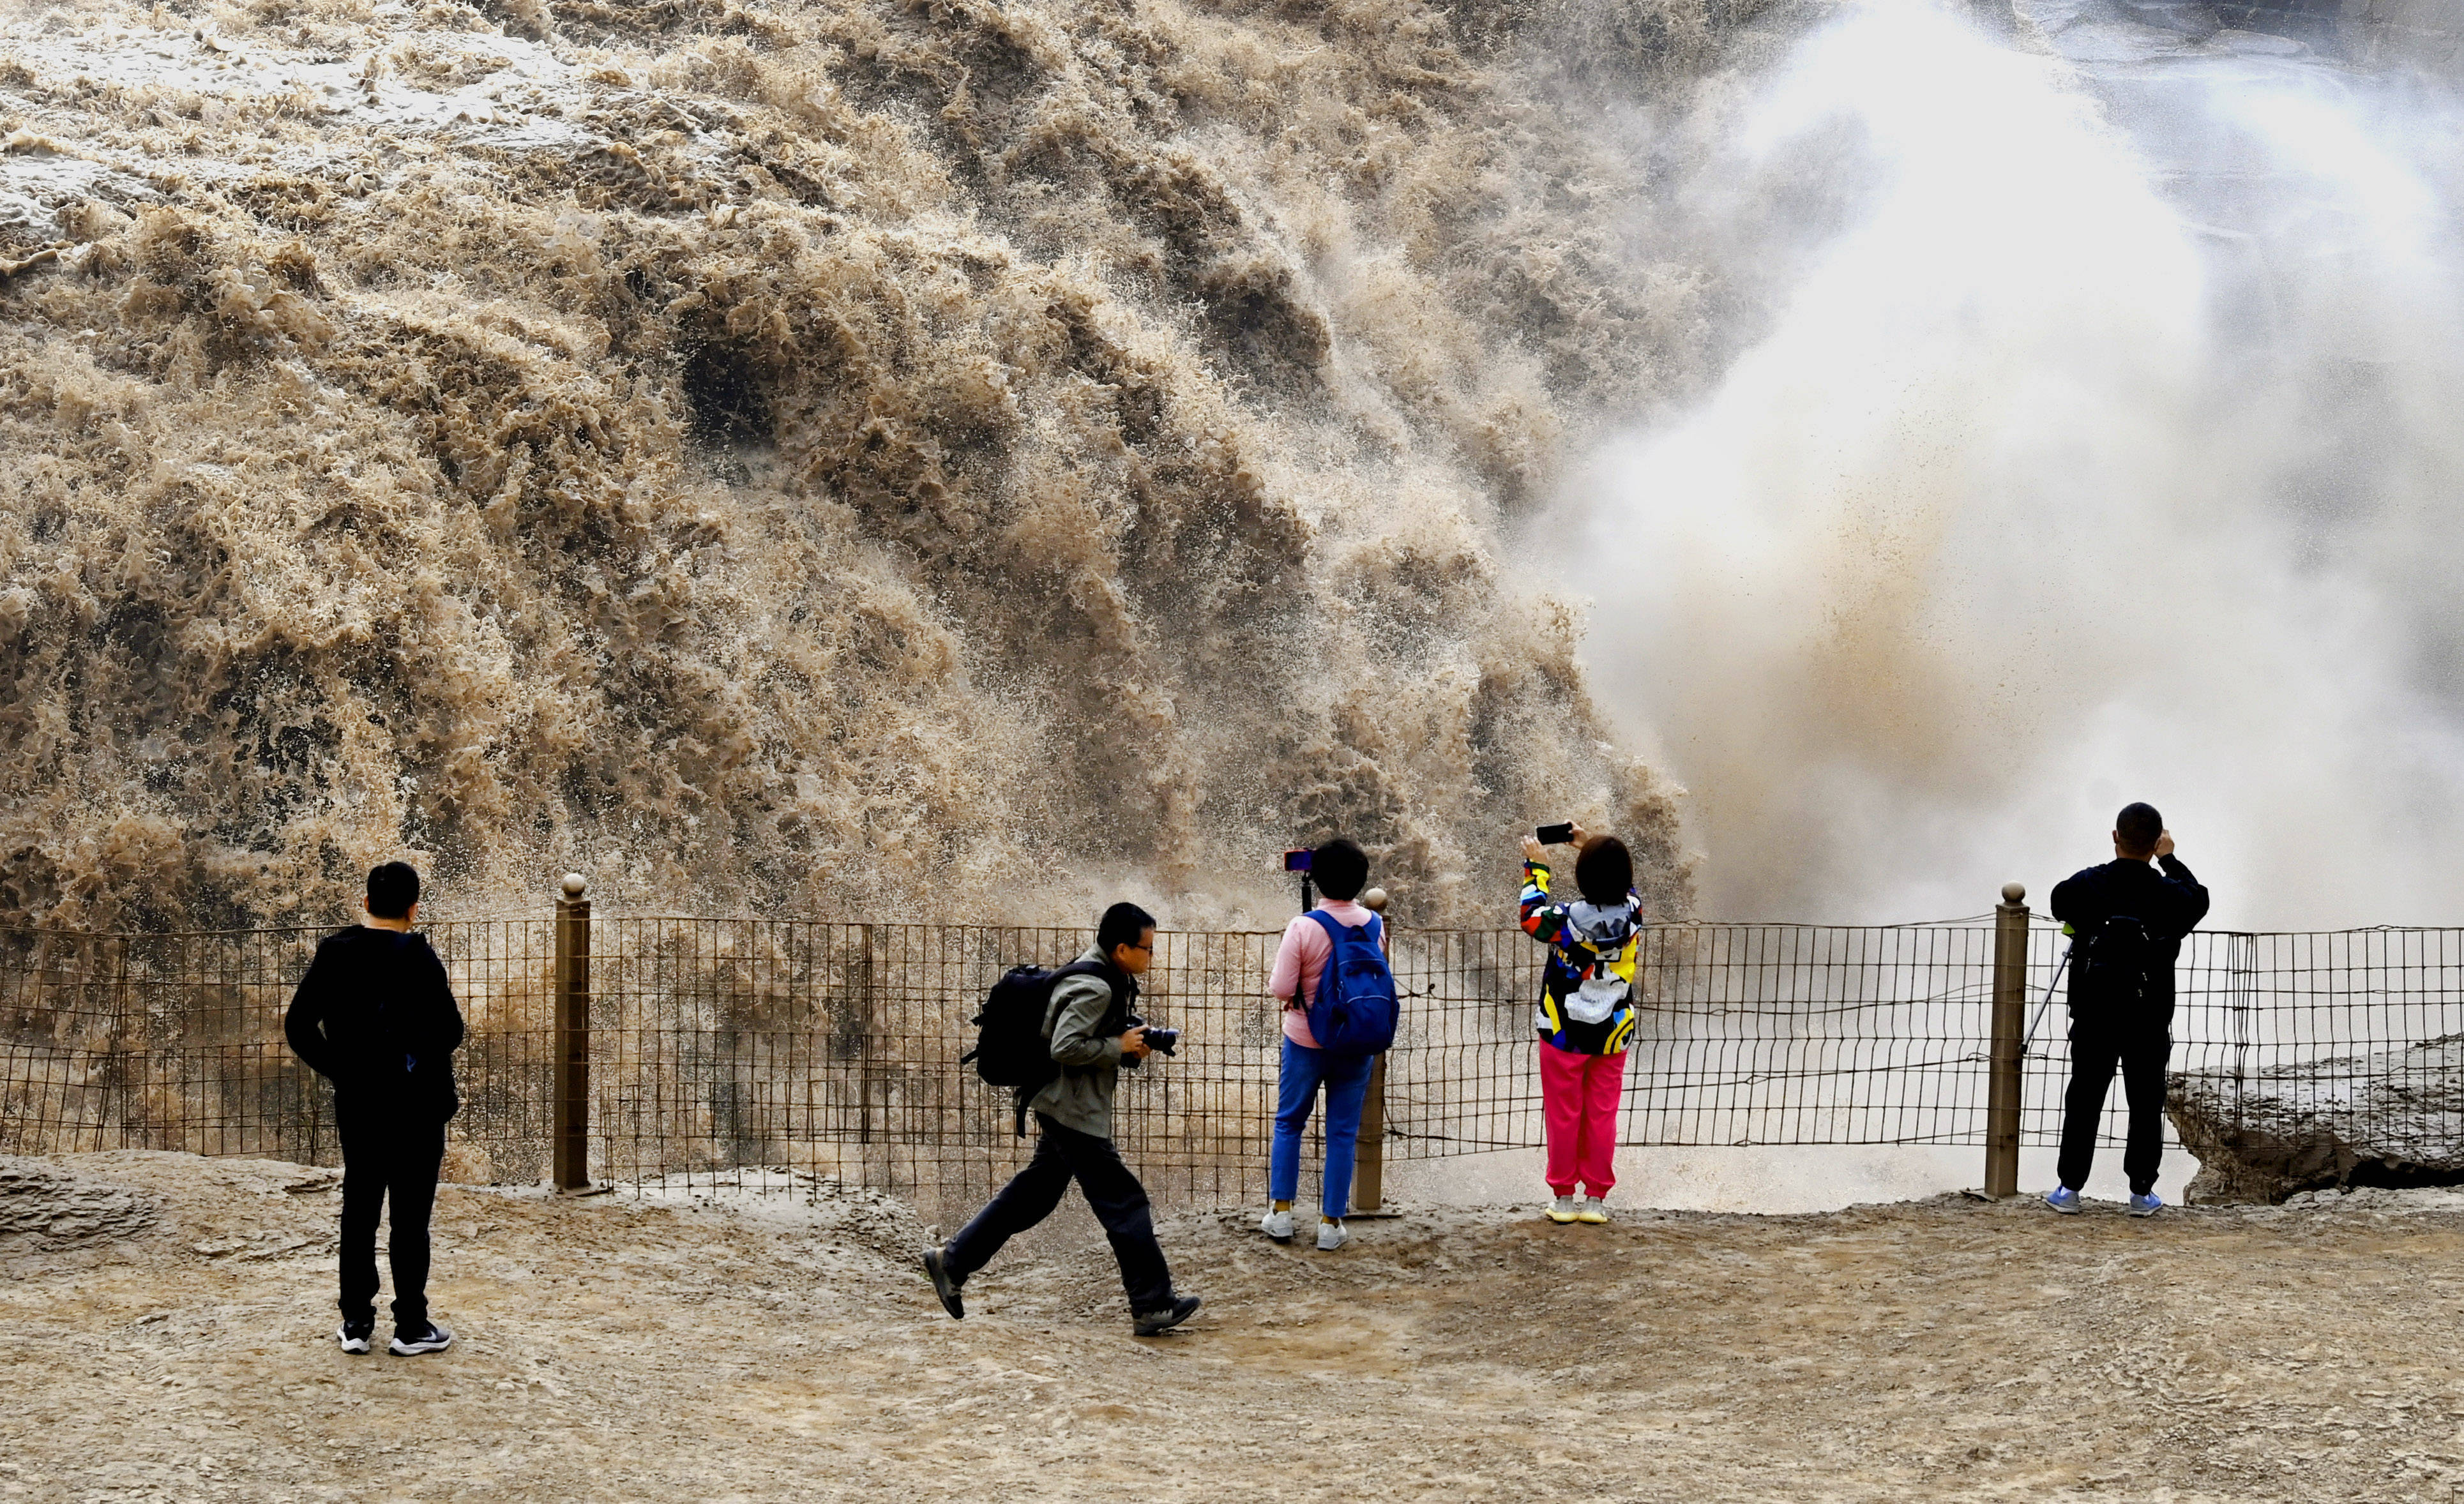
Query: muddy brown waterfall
807	456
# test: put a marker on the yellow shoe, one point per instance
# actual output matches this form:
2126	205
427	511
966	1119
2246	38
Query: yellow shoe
1562	1210
1591	1208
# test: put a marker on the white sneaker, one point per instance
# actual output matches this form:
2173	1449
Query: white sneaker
1331	1235
434	1339
1278	1226
1562	1210
1591	1208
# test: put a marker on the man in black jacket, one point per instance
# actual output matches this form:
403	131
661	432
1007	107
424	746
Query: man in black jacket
375	1016
2128	919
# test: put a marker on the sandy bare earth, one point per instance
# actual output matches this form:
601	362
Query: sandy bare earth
165	1332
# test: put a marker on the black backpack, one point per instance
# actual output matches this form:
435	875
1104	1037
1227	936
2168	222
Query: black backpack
1011	1049
2117	964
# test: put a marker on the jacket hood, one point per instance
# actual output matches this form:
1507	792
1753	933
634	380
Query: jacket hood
1597	926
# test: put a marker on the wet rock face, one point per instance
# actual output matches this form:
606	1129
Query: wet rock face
2424	34
2394	1118
2374	33
2428	33
43	1210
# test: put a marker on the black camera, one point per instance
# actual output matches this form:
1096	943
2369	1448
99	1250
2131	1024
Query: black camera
1298	860
1556	834
1163	1042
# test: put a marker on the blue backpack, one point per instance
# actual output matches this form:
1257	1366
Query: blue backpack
1355	1012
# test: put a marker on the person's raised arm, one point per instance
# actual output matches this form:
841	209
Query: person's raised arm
2192	900
1542	920
2073	897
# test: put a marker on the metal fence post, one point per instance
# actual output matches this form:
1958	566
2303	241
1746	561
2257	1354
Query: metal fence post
2010	1025
1369	1151
866	983
120	1100
573	1035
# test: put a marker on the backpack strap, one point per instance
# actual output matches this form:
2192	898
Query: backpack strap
1060	975
1116	1009
1334	927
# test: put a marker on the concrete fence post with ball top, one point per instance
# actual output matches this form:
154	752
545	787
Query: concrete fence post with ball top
2009	1023
1369	1152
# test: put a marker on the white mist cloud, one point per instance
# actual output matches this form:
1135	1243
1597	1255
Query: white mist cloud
2106	450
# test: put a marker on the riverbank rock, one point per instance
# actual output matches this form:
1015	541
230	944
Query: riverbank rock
44	1210
2392	1118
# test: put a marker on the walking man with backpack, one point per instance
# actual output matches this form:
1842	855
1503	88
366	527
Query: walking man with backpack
375	1016
1065	1072
2129	918
1330	975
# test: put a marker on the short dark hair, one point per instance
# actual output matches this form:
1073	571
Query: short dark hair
393	886
2138	825
1604	871
1340	868
1122	925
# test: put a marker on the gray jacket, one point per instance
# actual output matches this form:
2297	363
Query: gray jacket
1081	1096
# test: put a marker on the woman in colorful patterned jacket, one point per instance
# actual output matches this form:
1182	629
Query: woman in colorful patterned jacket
1585	1016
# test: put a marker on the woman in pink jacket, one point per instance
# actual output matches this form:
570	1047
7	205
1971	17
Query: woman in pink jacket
1340	870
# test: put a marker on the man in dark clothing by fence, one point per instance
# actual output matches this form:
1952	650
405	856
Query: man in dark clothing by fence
1086	1029
2128	919
375	1016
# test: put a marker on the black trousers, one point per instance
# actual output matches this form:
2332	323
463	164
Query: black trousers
2141	1056
1119	1201
386	1158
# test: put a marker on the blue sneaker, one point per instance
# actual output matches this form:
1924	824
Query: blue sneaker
2145	1205
2065	1199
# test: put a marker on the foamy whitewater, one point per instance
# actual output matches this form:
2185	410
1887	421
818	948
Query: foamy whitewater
2092	436
834	455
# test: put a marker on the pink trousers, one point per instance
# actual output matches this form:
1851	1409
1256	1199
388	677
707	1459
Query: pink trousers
1578	1102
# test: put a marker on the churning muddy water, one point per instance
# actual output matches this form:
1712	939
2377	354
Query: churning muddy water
848	456
838	454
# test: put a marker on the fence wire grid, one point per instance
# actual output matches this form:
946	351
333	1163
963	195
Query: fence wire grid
777	1052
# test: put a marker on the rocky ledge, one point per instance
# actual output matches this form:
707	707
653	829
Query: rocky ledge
2393	1117
45	1208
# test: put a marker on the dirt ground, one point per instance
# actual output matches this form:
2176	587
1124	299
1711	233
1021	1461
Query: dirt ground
166	1327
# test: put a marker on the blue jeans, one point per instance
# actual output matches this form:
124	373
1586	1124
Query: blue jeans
1346	1077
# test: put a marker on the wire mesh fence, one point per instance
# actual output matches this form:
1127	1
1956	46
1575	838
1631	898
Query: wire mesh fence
1745	1035
831	1050
2352	1037
175	1041
777	1052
